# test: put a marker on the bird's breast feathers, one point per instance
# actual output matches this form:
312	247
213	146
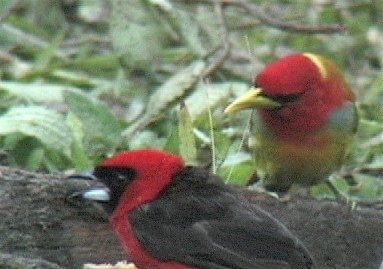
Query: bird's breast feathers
313	156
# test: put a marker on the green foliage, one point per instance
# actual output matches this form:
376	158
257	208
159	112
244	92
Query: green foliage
175	88
33	133
46	125
35	92
187	144
100	126
375	92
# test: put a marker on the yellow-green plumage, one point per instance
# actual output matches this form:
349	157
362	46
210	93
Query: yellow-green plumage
281	163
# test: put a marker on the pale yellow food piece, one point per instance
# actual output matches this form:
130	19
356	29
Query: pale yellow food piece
119	265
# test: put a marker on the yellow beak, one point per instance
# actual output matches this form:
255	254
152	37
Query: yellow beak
252	99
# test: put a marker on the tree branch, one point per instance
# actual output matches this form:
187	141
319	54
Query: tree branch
271	21
40	226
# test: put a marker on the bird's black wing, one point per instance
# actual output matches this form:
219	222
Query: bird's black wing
201	222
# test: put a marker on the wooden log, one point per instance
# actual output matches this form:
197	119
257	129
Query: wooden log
41	227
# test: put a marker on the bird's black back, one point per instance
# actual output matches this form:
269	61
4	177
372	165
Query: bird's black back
200	221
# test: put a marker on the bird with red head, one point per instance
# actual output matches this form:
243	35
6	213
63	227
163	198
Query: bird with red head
172	216
304	119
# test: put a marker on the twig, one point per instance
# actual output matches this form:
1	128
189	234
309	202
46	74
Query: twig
362	169
269	20
85	40
12	8
22	37
283	25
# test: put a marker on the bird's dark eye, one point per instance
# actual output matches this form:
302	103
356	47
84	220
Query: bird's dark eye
115	178
285	98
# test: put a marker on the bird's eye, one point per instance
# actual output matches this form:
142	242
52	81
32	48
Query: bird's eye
286	98
120	176
116	178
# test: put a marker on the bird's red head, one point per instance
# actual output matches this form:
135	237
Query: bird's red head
293	74
296	95
146	161
141	174
308	86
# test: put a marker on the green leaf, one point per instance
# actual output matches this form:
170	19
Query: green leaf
26	151
212	95
36	92
46	125
97	64
35	158
146	139
236	158
175	88
46	55
370	187
237	174
101	127
136	33
188	148
184	23
374	95
173	141
80	159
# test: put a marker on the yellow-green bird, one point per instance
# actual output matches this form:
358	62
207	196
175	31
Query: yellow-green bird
304	118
